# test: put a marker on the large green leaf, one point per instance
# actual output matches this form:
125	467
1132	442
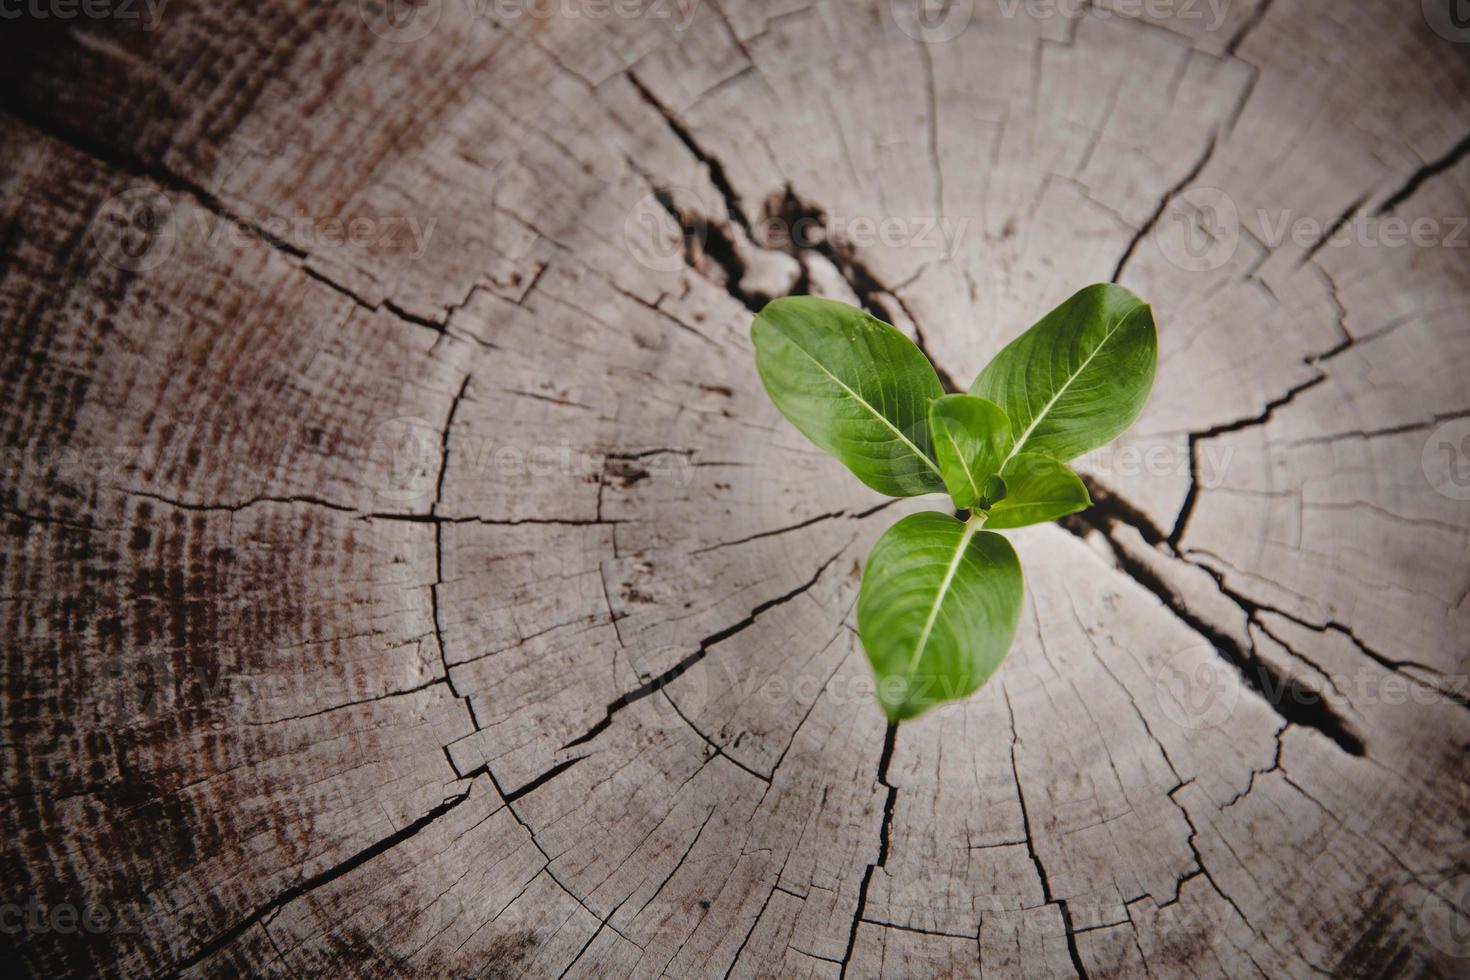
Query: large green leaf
971	438
937	611
1038	488
853	385
1079	377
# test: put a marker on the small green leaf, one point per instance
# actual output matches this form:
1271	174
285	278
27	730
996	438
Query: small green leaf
938	609
971	438
1079	377
995	492
853	385
1037	488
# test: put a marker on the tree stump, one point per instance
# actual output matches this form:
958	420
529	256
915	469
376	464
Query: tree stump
406	574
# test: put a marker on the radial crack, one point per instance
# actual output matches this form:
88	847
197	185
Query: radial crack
772	533
716	169
875	297
1169	195
1287	696
1186	509
890	736
1456	153
1046	892
439	550
667	677
1250	25
136	167
316	881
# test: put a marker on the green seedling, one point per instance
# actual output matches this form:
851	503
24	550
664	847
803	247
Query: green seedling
941	596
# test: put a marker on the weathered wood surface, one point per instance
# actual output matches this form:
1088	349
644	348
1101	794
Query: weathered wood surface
450	600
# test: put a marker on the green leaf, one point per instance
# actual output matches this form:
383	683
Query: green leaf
937	611
995	491
971	438
1079	377
1037	488
853	385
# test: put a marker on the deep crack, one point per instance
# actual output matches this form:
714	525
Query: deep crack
890	737
1046	892
1291	699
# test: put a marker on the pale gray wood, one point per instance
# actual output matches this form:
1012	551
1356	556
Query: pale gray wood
460	605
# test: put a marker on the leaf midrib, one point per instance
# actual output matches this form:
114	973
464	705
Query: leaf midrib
876	414
1037	418
954	563
964	464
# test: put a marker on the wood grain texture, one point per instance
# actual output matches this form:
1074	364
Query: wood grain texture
405	574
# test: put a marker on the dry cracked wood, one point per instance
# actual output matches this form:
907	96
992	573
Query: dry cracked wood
450	600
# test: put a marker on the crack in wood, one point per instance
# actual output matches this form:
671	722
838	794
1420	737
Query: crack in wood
318	880
1273	767
872	294
1046	893
1164	201
439	553
1257	15
1186	509
1332	230
1109	508
352	704
136	167
1416	180
1287	696
673	673
890	737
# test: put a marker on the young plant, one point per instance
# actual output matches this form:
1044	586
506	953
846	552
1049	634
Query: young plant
941	597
